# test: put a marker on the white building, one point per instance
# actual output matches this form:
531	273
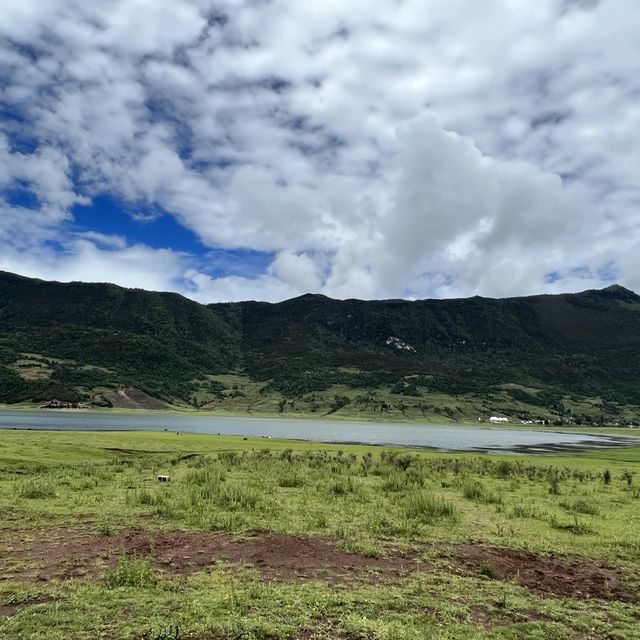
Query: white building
497	419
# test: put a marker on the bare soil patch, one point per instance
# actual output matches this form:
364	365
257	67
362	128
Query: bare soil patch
34	373
73	554
320	631
561	576
8	610
490	618
132	398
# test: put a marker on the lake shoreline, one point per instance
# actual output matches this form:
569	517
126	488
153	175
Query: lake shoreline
478	438
338	419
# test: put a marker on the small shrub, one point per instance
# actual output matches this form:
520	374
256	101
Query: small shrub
395	482
287	454
321	520
235	496
145	497
208	475
582	505
402	461
627	476
367	462
427	507
342	486
523	511
131	571
554	481
230	457
607	477
474	490
291	480
36	489
487	569
504	469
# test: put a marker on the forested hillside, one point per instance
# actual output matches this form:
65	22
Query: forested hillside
549	357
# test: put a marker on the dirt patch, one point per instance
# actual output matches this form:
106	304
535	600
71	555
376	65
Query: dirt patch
323	630
561	576
34	373
132	398
9	610
276	556
65	554
501	616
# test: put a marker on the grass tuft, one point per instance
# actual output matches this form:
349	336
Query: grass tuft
131	571
426	507
475	490
487	569
35	489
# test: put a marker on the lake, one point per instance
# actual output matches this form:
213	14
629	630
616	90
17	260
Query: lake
436	436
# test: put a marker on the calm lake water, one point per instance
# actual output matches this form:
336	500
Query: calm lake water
444	437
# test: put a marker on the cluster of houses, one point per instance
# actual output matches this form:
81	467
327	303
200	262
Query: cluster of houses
502	420
58	404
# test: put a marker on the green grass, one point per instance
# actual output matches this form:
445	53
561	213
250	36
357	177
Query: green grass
131	571
368	500
423	507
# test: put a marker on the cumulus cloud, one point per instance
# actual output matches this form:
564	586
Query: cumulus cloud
485	223
408	149
298	270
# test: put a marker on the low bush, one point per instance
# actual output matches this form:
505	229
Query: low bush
35	489
523	511
291	479
475	490
131	571
487	569
582	505
426	507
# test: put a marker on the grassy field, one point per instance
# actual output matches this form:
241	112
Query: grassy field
262	538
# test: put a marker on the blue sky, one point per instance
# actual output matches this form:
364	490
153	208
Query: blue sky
158	229
241	150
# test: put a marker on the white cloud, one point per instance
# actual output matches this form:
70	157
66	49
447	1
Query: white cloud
298	270
235	288
385	149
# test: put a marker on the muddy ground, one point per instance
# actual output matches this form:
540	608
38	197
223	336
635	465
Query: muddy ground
45	556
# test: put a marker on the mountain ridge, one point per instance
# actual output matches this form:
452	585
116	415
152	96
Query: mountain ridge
614	287
544	355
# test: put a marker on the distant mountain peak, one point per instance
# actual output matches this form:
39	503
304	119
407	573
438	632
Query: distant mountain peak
617	288
618	291
309	296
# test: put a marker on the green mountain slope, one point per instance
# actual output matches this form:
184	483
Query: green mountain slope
548	356
157	341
